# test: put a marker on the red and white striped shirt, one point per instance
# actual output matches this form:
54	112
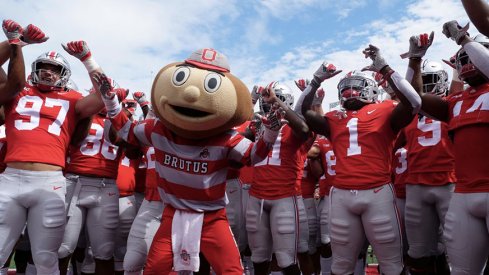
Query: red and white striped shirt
191	173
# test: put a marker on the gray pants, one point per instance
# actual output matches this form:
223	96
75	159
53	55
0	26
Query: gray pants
425	211
38	198
371	213
95	203
273	226
467	232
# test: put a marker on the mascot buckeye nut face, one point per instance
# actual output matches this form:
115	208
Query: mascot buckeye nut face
200	98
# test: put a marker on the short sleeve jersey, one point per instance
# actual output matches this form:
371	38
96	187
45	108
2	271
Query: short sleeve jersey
430	152
363	141
328	161
279	175
39	125
469	121
96	156
400	171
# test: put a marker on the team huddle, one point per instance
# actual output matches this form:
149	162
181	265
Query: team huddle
200	183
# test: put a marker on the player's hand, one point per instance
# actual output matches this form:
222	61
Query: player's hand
34	35
268	94
274	119
104	84
256	93
378	62
78	49
318	97
454	31
418	45
140	97
325	71
302	83
120	92
13	31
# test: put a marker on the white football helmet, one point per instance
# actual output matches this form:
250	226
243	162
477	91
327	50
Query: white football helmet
52	58
283	92
464	65
358	85
435	78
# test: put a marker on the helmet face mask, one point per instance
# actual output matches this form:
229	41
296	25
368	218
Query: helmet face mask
358	86
50	71
435	78
465	68
283	92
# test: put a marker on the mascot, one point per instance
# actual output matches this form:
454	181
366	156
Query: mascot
196	103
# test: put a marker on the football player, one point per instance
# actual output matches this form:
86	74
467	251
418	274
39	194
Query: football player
40	121
275	208
92	171
363	134
467	114
431	174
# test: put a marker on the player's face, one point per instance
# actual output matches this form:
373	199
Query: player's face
49	73
353	104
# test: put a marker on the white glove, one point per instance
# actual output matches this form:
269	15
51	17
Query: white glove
325	71
33	35
454	31
13	31
256	93
378	62
80	50
140	97
418	45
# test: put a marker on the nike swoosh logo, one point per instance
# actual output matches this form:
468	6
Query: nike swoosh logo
232	191
56	187
378	190
110	194
369	112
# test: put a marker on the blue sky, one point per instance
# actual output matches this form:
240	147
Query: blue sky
265	40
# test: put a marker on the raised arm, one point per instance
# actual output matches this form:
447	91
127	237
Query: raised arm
298	125
478	12
12	82
91	104
316	122
140	97
410	101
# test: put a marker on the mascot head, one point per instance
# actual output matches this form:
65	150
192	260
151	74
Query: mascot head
199	98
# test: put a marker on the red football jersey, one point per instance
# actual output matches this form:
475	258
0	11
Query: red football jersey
95	156
39	125
279	175
430	152
329	163
363	141
308	182
399	172
469	120
126	177
246	174
151	190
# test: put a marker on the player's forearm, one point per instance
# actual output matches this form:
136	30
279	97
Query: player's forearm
479	55
16	75
413	74
304	102
406	93
478	12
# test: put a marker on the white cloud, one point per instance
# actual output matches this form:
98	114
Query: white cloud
132	40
